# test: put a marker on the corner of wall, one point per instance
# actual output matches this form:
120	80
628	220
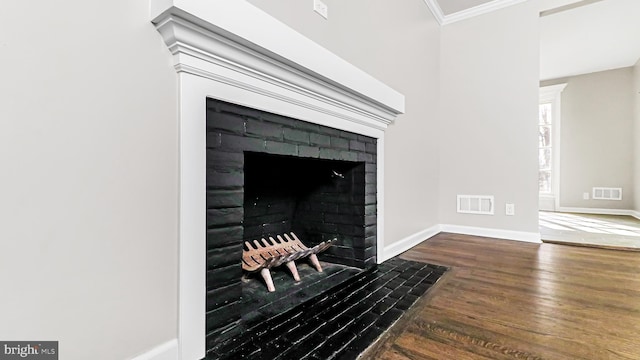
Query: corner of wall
488	84
407	243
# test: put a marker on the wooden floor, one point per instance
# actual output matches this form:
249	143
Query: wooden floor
513	300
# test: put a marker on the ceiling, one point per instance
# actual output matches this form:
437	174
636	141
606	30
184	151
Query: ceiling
450	11
449	7
576	36
601	35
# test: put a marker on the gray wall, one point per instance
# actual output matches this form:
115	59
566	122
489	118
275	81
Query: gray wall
88	202
474	124
636	152
399	45
489	90
597	138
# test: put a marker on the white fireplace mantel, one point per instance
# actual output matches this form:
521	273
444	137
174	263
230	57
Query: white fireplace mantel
232	51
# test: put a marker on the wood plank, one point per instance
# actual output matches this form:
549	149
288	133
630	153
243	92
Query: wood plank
511	300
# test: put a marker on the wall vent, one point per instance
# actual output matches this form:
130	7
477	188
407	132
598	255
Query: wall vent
475	204
605	193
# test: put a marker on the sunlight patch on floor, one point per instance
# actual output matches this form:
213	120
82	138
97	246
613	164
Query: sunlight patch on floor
603	230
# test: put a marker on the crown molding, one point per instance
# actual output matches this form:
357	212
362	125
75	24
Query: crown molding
467	13
435	10
567	7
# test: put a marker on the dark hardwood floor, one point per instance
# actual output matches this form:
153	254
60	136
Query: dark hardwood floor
513	300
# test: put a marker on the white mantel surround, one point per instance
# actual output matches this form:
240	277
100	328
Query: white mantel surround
232	51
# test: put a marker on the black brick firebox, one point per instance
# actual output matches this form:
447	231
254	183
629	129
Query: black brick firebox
268	174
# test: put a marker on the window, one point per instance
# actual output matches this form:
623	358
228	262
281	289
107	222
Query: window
549	119
545	148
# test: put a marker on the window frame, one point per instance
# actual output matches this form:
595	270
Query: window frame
550	147
552	95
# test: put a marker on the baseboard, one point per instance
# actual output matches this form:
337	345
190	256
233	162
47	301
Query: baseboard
166	351
410	241
407	243
598	211
532	237
635	214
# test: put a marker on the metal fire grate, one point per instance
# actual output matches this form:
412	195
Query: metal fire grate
265	254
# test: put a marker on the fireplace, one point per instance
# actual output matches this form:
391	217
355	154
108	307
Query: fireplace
268	175
221	51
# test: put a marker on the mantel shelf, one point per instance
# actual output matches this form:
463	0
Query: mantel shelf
261	54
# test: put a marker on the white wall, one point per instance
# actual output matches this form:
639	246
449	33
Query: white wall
489	92
636	141
596	145
398	44
88	195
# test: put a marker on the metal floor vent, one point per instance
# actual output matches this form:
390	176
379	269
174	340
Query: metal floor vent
606	193
476	204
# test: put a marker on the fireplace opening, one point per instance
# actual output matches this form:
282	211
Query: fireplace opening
318	200
268	175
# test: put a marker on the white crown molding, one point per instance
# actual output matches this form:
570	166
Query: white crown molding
435	10
468	13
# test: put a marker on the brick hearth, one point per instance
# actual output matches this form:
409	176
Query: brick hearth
340	323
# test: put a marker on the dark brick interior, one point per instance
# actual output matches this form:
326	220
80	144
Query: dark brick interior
317	199
267	174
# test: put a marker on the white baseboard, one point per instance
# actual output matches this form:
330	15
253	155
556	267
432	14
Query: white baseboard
532	237
410	241
598	211
166	351
407	243
635	214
